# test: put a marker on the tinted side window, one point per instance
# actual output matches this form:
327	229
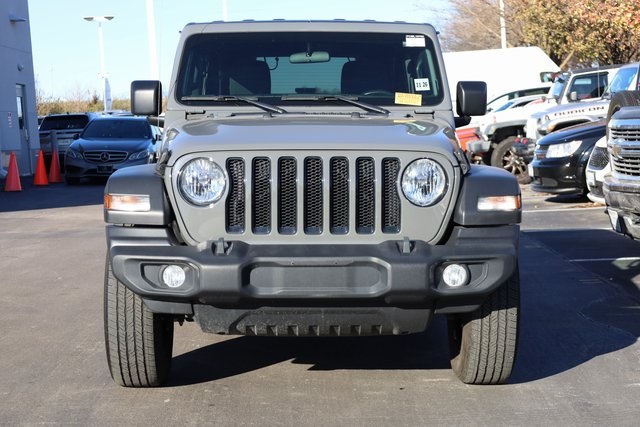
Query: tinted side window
64	122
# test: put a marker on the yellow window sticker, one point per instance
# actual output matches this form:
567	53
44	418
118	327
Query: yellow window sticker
422	84
408	98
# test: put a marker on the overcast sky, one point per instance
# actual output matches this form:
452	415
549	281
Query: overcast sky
65	46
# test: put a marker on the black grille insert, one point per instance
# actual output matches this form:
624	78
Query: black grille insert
366	196
287	196
261	195
390	196
313	198
236	207
339	191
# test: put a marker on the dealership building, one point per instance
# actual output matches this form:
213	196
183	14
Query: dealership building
18	114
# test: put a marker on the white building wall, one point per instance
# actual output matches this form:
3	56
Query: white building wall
16	68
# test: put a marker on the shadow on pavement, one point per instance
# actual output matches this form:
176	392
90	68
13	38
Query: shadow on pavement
51	196
240	355
577	302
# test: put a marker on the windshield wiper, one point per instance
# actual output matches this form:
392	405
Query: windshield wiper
353	101
231	98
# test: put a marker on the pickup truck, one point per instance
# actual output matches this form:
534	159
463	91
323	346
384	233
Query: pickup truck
621	187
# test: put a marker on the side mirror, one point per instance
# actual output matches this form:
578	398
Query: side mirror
573	96
76	136
146	97
471	98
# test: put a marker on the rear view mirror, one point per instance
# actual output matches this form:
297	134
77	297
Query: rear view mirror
146	97
471	98
306	57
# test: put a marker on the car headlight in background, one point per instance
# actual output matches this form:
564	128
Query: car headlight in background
144	154
201	181
563	150
73	153
424	182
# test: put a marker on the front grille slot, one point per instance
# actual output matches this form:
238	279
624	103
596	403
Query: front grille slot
628	134
366	196
236	206
261	202
339	203
313	198
304	192
287	196
390	196
626	166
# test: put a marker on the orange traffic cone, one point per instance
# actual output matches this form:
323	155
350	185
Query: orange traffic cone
54	169
41	172
13	176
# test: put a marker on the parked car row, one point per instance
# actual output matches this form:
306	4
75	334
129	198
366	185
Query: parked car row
96	145
581	168
515	137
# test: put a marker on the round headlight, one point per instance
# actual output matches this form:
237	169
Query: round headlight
424	182
201	182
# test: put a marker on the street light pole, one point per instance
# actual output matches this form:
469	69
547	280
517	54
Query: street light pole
106	92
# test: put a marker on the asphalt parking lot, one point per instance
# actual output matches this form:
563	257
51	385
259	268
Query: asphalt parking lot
577	363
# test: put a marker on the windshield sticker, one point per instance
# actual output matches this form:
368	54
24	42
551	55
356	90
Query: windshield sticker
414	40
422	84
408	98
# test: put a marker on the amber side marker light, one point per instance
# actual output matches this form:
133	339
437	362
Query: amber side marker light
499	203
127	202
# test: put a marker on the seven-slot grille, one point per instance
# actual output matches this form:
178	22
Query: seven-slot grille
301	185
626	159
105	156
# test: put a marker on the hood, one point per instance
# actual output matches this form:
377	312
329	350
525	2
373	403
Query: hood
128	145
595	107
311	133
588	130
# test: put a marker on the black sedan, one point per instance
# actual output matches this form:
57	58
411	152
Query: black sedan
107	144
560	159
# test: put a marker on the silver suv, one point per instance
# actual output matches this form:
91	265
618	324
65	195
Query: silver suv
309	183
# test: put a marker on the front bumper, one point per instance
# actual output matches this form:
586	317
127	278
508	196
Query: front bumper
393	277
80	168
564	175
623	205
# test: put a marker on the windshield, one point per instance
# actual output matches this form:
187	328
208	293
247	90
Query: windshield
558	86
117	128
274	67
625	79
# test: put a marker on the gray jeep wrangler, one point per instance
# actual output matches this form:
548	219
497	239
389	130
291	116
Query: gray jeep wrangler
309	183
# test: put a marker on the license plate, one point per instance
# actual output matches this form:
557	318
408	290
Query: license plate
530	170
591	178
105	169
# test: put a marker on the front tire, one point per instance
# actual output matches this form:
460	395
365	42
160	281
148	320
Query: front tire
504	157
139	342
483	343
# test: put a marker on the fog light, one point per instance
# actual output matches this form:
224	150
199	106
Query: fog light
455	275
173	276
